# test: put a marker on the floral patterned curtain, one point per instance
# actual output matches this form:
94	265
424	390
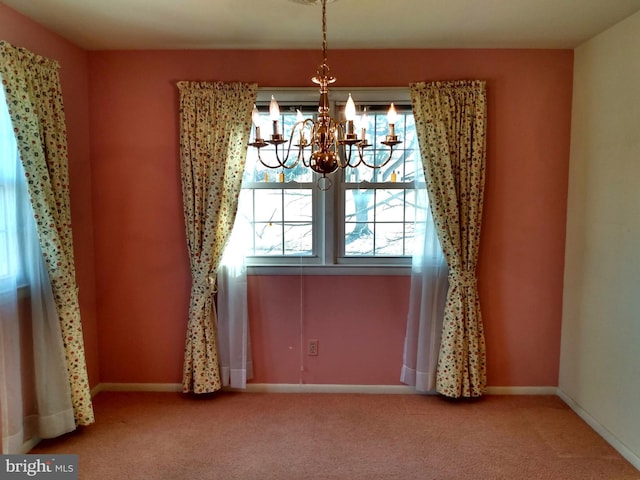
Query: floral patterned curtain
451	124
215	123
34	96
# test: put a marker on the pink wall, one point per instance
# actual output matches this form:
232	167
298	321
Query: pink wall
141	260
360	335
22	32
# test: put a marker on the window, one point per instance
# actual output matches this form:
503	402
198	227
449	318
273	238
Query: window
377	206
365	218
280	205
9	221
5	238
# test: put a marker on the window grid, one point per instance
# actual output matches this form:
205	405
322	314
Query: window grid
382	182
282	222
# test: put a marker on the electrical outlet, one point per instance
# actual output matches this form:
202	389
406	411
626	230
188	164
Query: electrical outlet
312	347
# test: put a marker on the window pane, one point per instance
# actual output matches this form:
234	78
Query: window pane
389	239
411	150
385	215
389	205
279	221
12	217
359	206
298	239
268	205
359	239
298	205
410	206
269	238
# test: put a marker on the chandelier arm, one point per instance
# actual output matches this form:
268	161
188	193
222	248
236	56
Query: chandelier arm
376	167
360	158
266	164
281	164
301	146
284	163
312	132
349	155
299	155
350	141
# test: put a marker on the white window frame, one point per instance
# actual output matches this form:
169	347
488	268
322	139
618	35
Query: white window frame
328	234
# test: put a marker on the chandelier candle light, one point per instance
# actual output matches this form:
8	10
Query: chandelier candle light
323	136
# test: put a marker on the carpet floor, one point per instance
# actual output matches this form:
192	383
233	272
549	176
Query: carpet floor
268	436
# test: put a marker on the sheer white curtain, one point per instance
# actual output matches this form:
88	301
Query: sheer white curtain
35	397
234	343
426	299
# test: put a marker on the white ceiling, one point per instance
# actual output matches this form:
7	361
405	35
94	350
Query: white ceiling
250	24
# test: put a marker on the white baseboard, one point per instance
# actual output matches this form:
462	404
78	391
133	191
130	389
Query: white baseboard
136	387
382	389
521	391
326	388
622	449
310	388
259	388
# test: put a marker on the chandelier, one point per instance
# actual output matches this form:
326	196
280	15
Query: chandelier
331	144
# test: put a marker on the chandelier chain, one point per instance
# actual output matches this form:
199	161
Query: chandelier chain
324	32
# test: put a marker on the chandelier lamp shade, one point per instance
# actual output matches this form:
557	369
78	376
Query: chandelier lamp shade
321	143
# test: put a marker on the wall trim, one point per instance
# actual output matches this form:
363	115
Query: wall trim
136	387
310	388
609	437
325	388
521	390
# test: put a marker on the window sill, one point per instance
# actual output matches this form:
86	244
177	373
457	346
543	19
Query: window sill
338	270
